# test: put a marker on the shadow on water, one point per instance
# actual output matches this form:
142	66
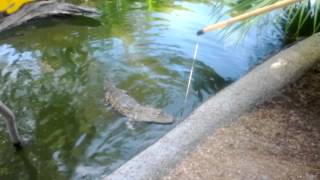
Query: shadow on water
52	76
51	106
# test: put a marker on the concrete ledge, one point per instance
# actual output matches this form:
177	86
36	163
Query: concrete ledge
262	82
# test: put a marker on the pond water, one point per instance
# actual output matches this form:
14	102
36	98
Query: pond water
52	75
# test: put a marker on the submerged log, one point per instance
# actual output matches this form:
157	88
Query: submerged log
10	120
43	9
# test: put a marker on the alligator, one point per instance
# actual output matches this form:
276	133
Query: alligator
129	107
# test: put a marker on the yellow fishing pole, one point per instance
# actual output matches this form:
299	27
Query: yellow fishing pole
259	11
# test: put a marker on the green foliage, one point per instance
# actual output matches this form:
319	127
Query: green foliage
300	19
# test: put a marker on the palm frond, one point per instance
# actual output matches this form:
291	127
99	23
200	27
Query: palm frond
300	19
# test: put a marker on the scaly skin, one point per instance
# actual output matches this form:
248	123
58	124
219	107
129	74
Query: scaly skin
12	6
129	107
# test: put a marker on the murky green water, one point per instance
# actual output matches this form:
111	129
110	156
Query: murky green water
53	71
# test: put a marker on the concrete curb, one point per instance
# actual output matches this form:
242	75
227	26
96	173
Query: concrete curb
262	82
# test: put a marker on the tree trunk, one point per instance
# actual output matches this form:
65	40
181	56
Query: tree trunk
43	9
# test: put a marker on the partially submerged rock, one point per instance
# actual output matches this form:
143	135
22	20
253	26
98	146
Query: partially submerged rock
43	9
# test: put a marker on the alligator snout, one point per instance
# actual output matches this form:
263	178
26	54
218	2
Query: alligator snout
164	118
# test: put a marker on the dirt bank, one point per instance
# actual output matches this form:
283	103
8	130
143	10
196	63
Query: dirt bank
279	139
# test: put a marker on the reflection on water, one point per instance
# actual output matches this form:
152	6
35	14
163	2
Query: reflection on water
53	72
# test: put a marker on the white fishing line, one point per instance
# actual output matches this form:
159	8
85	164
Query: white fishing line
191	71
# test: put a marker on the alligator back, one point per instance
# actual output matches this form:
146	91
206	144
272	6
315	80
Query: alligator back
129	107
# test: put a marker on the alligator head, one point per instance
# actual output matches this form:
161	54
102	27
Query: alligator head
154	115
164	118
